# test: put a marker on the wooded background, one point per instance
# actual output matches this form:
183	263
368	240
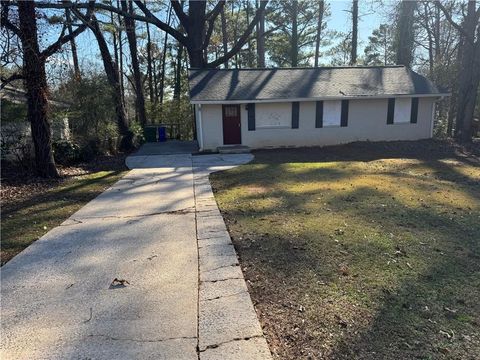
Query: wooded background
146	48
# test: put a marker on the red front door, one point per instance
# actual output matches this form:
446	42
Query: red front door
231	124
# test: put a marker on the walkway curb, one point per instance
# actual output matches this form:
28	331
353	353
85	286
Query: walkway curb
228	325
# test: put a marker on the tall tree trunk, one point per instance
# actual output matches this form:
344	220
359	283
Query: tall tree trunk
111	70
353	53
235	30
195	29
224	35
321	9
294	38
37	90
250	56
405	35
149	65
178	74
164	59
261	40
120	58
73	46
132	43
468	77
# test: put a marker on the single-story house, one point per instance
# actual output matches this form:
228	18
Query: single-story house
310	106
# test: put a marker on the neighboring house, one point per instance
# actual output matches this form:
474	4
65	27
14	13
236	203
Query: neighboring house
15	135
311	106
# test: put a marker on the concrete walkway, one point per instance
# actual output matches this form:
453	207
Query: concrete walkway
159	229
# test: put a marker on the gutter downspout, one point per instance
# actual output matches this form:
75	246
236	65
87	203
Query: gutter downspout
200	128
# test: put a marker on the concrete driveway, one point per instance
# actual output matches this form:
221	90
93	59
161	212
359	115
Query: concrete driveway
179	293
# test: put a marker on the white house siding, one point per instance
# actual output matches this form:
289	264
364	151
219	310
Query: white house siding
367	120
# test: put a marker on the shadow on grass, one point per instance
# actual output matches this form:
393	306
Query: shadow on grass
411	270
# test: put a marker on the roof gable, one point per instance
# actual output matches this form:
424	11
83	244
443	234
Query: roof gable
217	85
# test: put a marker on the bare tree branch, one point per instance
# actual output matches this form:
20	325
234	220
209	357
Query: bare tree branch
149	17
13	77
6	21
211	17
242	40
177	7
160	24
454	24
215	11
62	39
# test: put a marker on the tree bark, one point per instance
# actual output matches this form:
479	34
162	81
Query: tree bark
164	59
294	38
261	39
37	90
321	9
468	75
137	77
177	88
149	65
353	53
405	35
224	35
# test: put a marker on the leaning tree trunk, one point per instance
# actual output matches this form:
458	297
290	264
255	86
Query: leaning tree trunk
132	43
111	70
37	89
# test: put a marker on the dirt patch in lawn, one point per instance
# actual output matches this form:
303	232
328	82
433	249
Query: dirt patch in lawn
365	251
31	206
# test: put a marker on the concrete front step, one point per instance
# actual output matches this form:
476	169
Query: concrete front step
233	149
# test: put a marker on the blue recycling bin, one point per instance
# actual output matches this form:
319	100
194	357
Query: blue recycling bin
162	133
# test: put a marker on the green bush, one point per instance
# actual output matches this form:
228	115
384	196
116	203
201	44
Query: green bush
66	152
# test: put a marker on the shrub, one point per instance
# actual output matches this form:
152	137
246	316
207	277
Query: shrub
66	152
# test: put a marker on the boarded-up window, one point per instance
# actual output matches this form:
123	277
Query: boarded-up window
251	116
332	111
295	114
403	109
414	112
273	115
319	114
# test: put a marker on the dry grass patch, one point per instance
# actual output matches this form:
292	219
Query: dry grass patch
365	251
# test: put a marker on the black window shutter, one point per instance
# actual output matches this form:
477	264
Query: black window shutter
295	114
251	116
344	115
319	114
414	112
391	110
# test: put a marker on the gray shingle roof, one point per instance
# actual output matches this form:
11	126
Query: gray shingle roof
304	83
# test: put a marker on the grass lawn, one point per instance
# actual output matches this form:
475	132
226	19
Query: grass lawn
362	251
38	209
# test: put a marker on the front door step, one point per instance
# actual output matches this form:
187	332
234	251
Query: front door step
233	149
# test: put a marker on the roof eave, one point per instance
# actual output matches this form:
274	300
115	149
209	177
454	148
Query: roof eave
346	97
